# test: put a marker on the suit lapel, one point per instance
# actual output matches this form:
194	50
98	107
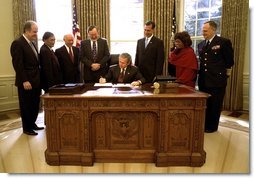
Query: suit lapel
30	48
150	43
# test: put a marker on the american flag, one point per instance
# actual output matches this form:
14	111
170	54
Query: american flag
173	26
75	27
174	19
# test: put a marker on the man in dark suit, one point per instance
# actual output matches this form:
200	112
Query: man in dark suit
51	73
68	56
94	53
124	72
150	53
216	59
26	65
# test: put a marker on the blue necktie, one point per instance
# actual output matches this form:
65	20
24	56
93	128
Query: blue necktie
146	42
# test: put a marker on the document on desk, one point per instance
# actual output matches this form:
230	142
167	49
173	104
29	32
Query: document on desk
120	85
103	84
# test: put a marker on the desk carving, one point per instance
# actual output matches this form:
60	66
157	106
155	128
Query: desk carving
165	129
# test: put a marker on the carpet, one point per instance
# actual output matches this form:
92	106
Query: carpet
13	121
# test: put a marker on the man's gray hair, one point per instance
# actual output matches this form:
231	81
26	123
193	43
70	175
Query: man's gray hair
126	56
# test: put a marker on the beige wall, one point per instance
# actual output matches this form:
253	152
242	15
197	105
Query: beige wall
6	36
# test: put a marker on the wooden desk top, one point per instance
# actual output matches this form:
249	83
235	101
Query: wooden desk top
146	90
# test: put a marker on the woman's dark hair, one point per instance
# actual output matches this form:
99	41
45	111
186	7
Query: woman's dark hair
184	37
47	35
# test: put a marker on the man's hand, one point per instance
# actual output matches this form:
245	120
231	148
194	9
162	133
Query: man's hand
95	66
102	80
27	85
136	83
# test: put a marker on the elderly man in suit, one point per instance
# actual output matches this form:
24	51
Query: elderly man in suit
124	72
51	73
150	53
94	53
68	57
216	59
26	65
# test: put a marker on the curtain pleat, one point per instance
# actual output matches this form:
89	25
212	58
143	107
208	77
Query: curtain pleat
234	26
22	11
91	12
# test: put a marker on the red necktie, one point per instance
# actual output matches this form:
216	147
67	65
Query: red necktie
71	54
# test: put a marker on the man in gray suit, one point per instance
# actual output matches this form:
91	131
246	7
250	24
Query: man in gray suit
94	53
150	53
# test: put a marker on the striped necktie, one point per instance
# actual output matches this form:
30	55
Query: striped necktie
121	76
94	52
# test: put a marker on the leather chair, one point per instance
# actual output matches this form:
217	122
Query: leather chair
113	59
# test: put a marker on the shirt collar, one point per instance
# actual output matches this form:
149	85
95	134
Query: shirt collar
149	38
28	41
210	40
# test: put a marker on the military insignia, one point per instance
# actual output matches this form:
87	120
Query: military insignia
216	47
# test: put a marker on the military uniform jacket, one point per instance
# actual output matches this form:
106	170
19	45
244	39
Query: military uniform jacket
214	61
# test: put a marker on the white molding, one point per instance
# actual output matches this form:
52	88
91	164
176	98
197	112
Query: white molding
8	93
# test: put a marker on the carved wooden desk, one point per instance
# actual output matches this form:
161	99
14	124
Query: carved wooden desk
146	125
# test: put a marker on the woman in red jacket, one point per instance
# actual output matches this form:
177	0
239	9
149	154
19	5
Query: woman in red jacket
184	58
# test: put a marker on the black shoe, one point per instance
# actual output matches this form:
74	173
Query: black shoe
30	132
210	130
38	128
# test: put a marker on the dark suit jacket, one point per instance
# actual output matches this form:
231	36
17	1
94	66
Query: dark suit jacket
70	70
214	61
131	74
86	58
150	60
25	63
51	73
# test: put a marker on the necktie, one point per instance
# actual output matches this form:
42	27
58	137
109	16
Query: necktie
34	50
207	44
54	58
94	51
121	76
71	54
146	42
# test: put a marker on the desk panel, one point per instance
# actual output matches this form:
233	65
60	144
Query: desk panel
164	127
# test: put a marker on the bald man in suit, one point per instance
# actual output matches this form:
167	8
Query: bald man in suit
26	65
69	65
